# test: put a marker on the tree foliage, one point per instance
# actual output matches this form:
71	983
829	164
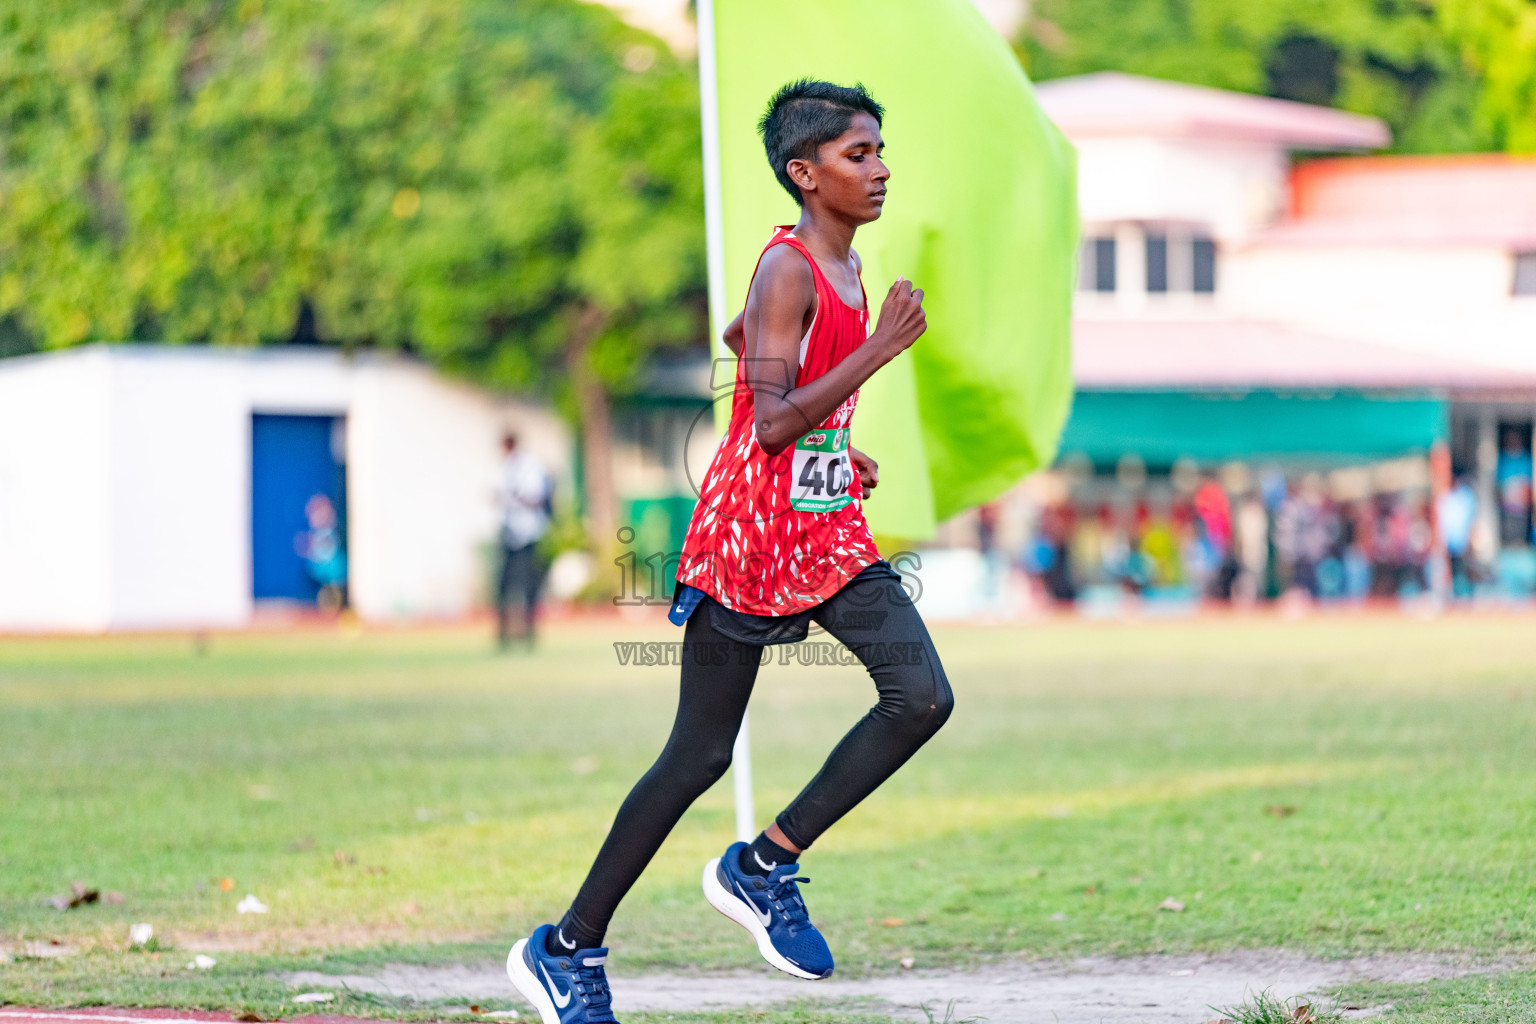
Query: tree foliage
1448	75
1498	39
464	177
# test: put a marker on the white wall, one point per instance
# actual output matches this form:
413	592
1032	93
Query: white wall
301	382
422	461
1232	188
180	524
1450	299
125	476
55	493
181	473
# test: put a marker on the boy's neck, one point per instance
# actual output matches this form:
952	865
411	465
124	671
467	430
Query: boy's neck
828	234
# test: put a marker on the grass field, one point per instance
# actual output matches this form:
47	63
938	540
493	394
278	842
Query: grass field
1332	786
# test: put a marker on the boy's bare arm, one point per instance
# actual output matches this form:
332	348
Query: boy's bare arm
735	337
775	317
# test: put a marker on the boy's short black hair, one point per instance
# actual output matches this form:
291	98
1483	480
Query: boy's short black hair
804	115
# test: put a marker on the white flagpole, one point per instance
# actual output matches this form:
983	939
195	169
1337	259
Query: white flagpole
741	783
709	117
714	242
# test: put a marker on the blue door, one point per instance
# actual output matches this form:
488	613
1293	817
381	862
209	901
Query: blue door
298	504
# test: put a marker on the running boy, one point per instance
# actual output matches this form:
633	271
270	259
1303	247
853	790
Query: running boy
778	540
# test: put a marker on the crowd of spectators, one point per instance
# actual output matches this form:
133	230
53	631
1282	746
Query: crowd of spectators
1283	536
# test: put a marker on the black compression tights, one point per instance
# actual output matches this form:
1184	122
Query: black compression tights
874	619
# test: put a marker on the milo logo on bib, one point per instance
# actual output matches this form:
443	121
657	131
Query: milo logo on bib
821	472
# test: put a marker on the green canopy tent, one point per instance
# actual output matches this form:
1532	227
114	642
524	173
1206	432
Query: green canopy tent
1311	426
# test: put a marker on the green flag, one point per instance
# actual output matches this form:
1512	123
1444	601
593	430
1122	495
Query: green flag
982	214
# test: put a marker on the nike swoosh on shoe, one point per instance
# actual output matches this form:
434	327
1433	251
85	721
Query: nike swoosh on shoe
562	999
766	918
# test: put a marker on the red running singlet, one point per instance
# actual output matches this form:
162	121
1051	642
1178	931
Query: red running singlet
776	535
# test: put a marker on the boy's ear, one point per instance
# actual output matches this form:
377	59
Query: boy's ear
799	172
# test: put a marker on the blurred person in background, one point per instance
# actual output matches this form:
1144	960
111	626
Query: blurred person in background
1304	532
1251	534
1287	533
1290	516
524	497
1195	568
1399	548
1088	540
324	554
1456	512
1514	471
1056	553
1047	553
1155	557
986	543
1329	543
1122	550
1421	540
1384	571
1356	537
1213	512
1319	528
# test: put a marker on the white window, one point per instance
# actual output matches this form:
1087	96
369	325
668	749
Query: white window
1096	264
1525	273
1180	262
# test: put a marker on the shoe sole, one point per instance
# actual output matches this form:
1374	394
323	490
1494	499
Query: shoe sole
528	986
729	904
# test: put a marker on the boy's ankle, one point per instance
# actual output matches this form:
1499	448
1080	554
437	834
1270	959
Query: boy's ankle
762	855
565	938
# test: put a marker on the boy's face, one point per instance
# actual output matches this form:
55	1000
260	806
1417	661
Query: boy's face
848	177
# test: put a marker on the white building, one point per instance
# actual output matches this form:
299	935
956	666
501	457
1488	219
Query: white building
1223	257
1435	254
163	487
1155	157
1263	304
1196	206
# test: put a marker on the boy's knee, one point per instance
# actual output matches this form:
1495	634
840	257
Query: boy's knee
936	710
923	705
944	704
695	769
713	765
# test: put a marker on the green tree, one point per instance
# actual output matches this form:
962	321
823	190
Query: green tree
1498	39
511	190
1390	58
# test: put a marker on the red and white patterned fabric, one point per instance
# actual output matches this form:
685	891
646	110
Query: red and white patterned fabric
747	546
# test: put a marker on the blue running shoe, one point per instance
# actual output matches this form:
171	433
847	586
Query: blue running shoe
772	910
565	989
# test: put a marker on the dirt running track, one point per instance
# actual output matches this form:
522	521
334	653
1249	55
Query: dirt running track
1133	990
114	1015
1096	990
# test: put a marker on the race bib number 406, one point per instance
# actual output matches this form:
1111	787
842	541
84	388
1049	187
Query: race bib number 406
821	472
